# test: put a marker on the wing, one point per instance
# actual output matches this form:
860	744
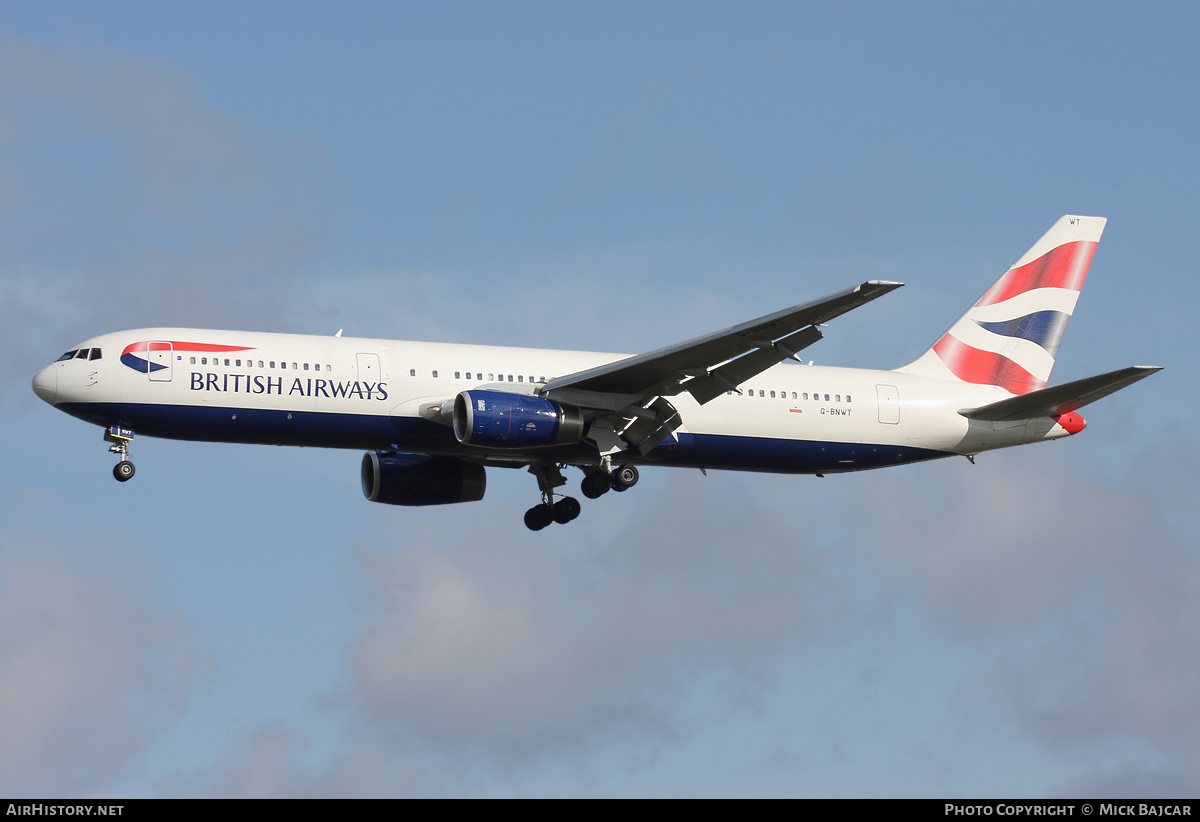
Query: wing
705	367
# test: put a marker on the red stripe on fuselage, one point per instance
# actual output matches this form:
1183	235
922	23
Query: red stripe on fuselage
160	345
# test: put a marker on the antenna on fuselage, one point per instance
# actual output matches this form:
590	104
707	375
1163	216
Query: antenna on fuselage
339	333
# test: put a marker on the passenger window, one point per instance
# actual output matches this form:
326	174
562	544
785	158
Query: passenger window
306	366
760	393
204	360
847	398
520	378
412	372
826	398
272	363
837	397
510	377
227	361
491	377
435	374
238	363
294	366
793	395
193	360
772	395
457	374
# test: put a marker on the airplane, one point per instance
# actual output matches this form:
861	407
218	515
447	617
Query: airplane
433	416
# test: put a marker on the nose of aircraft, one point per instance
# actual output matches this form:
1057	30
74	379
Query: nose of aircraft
45	384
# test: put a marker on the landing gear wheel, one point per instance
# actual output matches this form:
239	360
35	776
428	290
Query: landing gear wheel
623	477
596	485
123	471
539	516
565	510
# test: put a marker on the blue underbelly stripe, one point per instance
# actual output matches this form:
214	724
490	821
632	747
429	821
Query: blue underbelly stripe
371	432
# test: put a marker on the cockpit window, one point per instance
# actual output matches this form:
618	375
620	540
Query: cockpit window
82	355
95	354
69	355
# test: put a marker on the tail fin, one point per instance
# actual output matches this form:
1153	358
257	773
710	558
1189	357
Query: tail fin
1010	337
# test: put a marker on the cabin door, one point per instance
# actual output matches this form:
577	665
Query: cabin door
889	404
368	368
160	356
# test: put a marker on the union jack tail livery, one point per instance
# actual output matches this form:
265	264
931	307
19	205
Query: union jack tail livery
1010	337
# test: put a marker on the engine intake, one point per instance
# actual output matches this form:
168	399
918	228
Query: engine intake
500	420
396	478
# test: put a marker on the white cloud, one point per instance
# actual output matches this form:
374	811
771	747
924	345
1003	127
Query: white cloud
505	645
1083	592
89	661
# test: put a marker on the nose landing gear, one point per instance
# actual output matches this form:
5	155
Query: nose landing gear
120	437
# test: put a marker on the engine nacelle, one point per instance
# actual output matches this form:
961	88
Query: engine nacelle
397	478
497	419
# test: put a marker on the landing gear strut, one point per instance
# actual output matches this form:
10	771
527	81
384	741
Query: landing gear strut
566	509
597	482
120	437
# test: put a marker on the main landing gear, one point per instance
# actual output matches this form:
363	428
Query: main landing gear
120	437
595	484
600	482
566	509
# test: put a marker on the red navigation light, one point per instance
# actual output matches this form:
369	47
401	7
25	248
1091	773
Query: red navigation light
1072	422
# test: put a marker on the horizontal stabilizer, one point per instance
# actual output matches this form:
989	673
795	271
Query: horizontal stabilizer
1060	399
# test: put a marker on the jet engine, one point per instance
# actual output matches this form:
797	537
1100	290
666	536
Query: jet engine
497	419
397	478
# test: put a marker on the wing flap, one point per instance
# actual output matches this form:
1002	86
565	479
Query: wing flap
729	376
1060	399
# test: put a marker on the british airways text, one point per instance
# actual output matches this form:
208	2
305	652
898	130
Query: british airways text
307	387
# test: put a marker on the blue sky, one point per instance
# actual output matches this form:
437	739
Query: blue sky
238	621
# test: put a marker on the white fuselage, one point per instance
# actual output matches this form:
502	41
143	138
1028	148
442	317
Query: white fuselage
369	394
